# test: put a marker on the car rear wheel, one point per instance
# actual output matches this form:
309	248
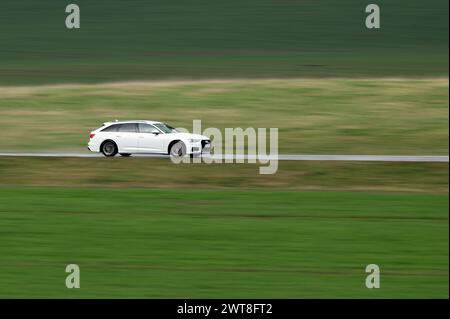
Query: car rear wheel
178	149
109	148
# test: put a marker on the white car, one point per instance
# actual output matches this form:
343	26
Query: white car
132	137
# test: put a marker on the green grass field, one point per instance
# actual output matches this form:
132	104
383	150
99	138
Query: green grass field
150	228
307	231
328	116
186	244
216	39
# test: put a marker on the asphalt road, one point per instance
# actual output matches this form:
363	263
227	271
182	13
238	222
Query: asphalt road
281	157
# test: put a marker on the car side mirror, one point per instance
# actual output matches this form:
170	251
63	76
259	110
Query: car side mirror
155	133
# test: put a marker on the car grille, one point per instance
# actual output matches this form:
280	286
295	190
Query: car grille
206	144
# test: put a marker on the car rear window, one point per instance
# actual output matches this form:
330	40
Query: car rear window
111	128
128	127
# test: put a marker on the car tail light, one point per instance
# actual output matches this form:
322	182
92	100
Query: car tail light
91	135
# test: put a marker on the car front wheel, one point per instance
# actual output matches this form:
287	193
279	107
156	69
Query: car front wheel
178	149
109	148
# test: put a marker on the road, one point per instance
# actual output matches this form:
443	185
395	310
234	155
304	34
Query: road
281	157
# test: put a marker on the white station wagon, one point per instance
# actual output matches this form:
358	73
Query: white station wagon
132	137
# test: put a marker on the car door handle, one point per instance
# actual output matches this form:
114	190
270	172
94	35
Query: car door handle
141	137
118	135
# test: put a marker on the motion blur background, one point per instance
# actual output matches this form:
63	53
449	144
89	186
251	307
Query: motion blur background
148	228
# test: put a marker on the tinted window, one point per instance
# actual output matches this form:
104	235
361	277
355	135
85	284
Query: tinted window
147	128
128	127
112	128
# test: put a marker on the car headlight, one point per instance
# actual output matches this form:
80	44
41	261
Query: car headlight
194	140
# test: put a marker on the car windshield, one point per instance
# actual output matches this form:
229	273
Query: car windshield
165	128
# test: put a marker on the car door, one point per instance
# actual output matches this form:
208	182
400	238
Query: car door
150	139
126	137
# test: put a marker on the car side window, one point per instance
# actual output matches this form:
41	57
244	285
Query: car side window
147	128
128	127
111	128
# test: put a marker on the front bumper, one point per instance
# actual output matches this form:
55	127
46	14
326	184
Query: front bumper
202	147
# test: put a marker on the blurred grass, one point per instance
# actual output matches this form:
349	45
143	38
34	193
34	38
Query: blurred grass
333	116
291	175
217	39
187	244
238	239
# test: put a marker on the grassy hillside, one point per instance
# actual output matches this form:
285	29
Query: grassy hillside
187	244
293	176
332	116
215	39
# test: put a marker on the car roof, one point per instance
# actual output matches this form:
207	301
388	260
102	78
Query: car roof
132	121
